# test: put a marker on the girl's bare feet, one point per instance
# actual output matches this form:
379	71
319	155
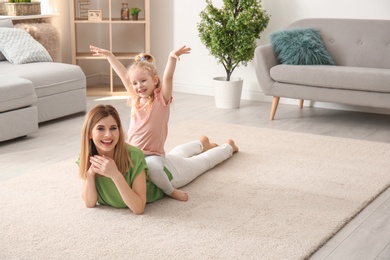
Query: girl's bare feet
179	195
206	143
233	145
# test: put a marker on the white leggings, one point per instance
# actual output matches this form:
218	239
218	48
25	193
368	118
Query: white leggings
157	175
185	162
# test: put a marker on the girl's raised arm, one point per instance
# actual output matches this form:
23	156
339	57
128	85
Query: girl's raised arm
115	63
170	69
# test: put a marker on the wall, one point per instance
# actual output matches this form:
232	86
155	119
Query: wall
61	22
174	23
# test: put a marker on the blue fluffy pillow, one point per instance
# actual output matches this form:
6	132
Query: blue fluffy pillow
300	46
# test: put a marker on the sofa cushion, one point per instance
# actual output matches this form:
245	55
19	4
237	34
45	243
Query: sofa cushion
5	23
49	78
335	77
18	123
300	46
19	47
16	93
353	42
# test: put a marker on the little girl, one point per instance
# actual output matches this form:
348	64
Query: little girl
150	100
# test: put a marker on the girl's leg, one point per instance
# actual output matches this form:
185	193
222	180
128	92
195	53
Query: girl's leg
190	149
157	175
156	166
185	170
187	150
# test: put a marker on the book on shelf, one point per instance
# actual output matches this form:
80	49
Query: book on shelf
82	9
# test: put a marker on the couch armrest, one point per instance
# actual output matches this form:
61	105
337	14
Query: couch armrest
264	60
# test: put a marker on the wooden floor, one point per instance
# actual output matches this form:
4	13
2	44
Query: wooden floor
366	237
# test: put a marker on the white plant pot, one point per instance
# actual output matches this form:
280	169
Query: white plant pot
227	94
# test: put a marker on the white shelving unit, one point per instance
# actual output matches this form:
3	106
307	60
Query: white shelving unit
124	38
29	17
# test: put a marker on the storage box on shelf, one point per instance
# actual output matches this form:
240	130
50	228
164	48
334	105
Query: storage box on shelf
112	33
17	9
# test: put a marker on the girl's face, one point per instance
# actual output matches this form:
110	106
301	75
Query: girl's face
143	82
105	135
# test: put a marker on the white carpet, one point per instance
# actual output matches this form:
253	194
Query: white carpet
281	197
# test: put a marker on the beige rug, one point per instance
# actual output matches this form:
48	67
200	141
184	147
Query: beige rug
281	197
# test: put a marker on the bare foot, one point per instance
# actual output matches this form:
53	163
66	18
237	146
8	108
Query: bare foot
233	145
179	195
206	143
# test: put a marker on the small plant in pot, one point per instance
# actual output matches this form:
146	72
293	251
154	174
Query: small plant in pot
230	33
134	11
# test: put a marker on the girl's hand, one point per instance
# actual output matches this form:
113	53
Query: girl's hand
182	50
99	51
104	166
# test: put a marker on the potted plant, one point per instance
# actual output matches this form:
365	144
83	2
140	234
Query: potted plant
134	11
230	33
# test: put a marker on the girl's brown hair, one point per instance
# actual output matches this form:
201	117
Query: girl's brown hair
88	149
146	62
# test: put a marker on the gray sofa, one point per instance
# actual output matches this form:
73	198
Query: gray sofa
60	87
360	76
36	92
51	89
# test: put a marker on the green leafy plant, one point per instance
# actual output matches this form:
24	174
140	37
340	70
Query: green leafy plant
135	10
230	32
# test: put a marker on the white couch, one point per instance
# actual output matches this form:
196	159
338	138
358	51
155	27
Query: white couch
60	87
35	92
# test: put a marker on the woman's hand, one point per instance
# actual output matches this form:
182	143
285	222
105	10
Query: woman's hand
177	53
135	197
91	172
104	166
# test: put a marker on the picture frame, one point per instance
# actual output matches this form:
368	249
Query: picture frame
95	15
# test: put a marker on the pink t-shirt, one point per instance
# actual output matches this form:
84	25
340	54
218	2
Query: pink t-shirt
149	126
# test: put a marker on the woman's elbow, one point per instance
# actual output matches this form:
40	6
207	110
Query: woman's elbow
139	211
90	205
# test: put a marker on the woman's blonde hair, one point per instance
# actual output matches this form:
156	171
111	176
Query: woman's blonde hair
146	62
88	149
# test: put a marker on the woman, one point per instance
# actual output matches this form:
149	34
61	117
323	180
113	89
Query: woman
115	173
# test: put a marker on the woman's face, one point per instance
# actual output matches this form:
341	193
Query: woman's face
105	135
143	82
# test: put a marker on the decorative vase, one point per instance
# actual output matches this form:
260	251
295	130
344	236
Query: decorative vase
125	11
227	94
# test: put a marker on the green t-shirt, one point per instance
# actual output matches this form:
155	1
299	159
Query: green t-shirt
108	194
